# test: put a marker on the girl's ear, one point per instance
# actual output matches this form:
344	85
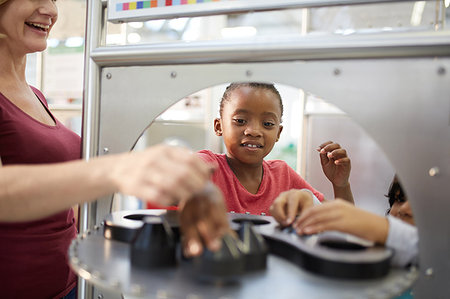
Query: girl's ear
279	132
218	127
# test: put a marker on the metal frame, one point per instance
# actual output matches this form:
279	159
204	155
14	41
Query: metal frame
222	7
396	86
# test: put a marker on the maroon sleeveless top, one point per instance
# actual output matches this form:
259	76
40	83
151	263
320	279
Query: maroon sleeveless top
33	255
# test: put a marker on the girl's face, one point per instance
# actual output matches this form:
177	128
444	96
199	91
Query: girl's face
26	24
402	210
250	124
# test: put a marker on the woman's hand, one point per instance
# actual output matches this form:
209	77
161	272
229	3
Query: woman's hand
164	175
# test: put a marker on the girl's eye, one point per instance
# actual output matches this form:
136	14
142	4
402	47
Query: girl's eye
239	121
268	124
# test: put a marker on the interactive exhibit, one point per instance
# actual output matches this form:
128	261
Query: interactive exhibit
371	78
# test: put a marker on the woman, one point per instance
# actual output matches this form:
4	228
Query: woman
42	174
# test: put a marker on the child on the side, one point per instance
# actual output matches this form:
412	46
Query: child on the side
396	231
250	124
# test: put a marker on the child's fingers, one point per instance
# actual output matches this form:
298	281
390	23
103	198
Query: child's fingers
342	162
324	145
192	243
292	207
210	238
330	147
337	153
278	210
315	217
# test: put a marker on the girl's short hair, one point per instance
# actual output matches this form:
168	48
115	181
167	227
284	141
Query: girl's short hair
235	85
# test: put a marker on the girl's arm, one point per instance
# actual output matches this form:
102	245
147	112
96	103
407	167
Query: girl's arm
336	167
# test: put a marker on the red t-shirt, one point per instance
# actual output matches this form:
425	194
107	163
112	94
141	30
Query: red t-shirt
277	177
33	255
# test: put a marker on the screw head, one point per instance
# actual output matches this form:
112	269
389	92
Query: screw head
336	72
441	71
434	171
248	73
173	74
108	76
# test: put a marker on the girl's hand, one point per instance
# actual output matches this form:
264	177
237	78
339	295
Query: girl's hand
335	163
289	204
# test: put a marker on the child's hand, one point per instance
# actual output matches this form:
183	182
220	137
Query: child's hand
203	221
344	217
289	204
335	163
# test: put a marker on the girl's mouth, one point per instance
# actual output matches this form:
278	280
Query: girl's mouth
251	145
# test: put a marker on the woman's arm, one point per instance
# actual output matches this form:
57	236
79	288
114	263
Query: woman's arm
161	174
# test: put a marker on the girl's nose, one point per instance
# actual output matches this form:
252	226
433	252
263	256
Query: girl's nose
253	129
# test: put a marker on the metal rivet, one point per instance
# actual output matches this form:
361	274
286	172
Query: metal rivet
263	214
100	296
337	72
247	213
105	150
108	76
173	74
248	73
429	272
441	71
434	171
232	212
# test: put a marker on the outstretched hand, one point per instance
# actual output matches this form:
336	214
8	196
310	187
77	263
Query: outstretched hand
164	175
335	163
203	221
342	216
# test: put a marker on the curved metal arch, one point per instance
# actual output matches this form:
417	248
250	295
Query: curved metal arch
395	100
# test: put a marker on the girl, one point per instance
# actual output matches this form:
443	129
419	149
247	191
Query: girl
250	124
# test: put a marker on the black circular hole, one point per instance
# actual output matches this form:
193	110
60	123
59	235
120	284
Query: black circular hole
138	217
341	245
254	221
